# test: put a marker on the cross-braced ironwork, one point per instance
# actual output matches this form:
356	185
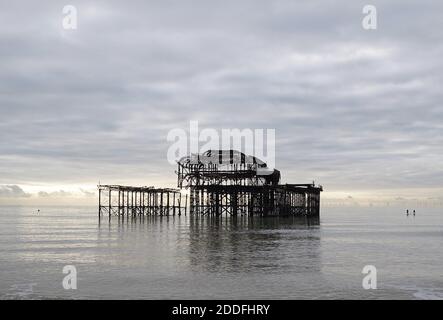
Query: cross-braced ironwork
219	182
230	182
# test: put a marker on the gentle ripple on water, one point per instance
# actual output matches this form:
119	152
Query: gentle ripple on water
225	258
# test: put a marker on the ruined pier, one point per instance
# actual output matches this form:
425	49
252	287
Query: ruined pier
217	182
230	182
133	201
255	200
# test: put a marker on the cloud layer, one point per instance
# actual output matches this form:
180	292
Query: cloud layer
352	109
12	191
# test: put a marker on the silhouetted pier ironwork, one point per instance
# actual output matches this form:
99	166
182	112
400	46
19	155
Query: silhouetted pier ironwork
230	182
126	200
255	200
218	182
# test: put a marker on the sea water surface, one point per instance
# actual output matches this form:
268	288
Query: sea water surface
224	258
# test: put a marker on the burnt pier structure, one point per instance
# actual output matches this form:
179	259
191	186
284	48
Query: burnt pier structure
217	182
286	199
230	182
117	200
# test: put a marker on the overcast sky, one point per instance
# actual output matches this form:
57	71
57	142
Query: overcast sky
358	111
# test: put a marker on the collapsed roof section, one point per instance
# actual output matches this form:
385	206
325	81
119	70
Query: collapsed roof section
225	167
222	157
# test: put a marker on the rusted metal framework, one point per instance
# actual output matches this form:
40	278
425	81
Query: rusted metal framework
224	167
132	201
219	182
230	182
255	200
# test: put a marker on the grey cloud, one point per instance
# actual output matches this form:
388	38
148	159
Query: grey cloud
350	107
56	194
12	191
87	193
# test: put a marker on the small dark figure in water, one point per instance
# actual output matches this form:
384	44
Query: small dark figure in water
407	212
38	211
413	213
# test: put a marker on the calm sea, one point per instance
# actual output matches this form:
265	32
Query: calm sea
225	258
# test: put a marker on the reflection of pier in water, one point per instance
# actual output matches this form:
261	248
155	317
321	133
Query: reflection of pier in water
230	244
221	244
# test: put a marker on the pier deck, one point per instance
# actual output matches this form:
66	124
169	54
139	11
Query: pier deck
127	200
218	182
